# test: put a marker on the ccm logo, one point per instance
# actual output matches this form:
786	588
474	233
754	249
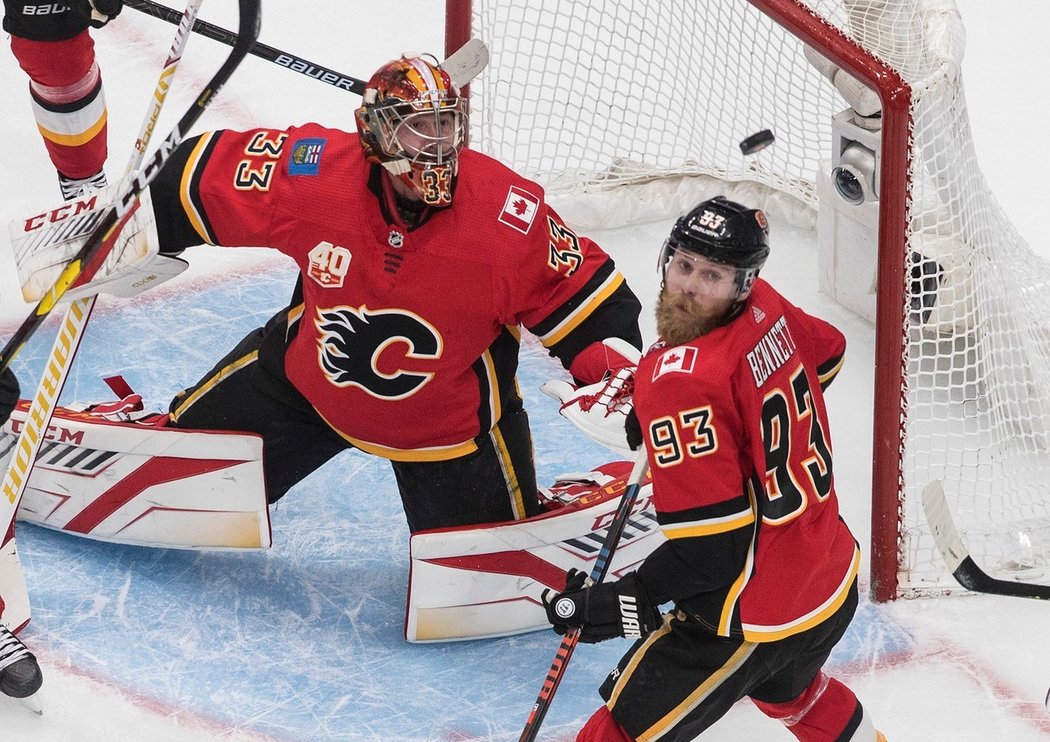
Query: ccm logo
71	209
54	433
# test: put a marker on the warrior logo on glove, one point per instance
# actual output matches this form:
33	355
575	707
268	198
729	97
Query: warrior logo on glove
603	610
564	608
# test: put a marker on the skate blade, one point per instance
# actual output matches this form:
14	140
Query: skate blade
34	703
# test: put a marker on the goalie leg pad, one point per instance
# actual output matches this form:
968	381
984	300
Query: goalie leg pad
141	484
14	597
485	581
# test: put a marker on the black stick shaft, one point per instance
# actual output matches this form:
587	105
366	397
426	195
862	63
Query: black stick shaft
598	572
269	53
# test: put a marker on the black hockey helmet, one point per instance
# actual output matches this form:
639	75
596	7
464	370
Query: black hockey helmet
725	232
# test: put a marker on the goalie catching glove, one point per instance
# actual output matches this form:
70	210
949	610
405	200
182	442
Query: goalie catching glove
603	411
601	611
42	250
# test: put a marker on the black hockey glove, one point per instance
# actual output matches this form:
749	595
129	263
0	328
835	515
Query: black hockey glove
8	394
603	611
102	12
634	430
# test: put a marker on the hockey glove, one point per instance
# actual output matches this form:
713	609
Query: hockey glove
603	611
9	392
103	11
42	249
600	410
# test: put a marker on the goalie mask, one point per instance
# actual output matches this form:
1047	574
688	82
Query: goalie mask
413	122
723	232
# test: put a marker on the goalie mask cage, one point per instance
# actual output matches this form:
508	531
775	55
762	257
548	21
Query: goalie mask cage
587	97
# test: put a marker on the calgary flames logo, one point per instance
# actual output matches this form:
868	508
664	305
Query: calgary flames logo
353	340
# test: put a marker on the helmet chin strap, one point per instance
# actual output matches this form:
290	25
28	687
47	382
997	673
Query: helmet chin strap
396	169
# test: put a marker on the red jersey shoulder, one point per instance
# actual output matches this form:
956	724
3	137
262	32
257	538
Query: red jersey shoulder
311	157
784	330
502	201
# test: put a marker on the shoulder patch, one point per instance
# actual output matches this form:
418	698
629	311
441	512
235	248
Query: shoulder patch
519	210
676	360
305	158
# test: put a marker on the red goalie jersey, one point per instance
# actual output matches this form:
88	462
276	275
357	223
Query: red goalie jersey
404	340
737	434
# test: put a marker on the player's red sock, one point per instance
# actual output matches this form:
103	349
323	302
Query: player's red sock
602	727
827	711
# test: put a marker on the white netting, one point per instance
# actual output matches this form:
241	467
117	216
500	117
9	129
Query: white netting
585	97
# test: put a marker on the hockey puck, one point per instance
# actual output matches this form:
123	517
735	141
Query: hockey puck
757	142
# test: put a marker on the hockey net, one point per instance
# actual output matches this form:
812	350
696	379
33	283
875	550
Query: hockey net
587	97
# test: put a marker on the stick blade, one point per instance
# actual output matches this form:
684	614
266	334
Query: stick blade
944	532
467	62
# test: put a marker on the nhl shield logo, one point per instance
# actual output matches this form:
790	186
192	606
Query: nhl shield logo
395	238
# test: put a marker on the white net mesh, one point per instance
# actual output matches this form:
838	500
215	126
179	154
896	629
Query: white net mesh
584	97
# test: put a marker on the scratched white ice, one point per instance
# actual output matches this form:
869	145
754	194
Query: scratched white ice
304	642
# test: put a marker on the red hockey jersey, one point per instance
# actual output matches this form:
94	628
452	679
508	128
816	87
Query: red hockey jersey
740	454
405	340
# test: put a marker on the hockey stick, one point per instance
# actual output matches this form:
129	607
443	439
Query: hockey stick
598	572
96	247
71	329
217	33
56	370
462	66
962	566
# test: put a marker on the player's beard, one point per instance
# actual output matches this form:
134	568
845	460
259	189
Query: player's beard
679	319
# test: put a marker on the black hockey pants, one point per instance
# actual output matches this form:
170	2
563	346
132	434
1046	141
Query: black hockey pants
245	392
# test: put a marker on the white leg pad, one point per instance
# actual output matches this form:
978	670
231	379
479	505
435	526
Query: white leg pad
13	590
485	581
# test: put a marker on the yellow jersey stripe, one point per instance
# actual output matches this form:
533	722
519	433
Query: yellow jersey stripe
709	527
76	138
225	372
184	188
831	373
570	323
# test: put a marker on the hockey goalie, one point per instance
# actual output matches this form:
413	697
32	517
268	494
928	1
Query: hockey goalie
372	342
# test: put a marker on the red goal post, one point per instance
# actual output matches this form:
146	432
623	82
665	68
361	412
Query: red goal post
940	346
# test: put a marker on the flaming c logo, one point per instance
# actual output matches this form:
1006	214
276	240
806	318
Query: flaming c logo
352	341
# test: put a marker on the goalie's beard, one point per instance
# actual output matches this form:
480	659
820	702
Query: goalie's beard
680	319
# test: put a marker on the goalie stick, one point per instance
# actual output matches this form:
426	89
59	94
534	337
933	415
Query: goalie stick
462	66
962	566
28	442
92	253
598	572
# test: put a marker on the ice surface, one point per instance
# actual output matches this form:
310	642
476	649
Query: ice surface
304	642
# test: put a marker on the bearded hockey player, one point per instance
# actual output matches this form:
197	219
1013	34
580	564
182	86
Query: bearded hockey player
760	568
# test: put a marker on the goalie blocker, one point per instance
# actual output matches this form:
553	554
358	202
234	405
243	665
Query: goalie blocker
44	243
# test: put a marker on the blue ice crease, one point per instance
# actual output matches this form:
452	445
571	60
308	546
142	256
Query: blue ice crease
304	641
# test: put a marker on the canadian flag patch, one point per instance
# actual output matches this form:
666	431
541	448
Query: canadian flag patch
675	360
519	210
